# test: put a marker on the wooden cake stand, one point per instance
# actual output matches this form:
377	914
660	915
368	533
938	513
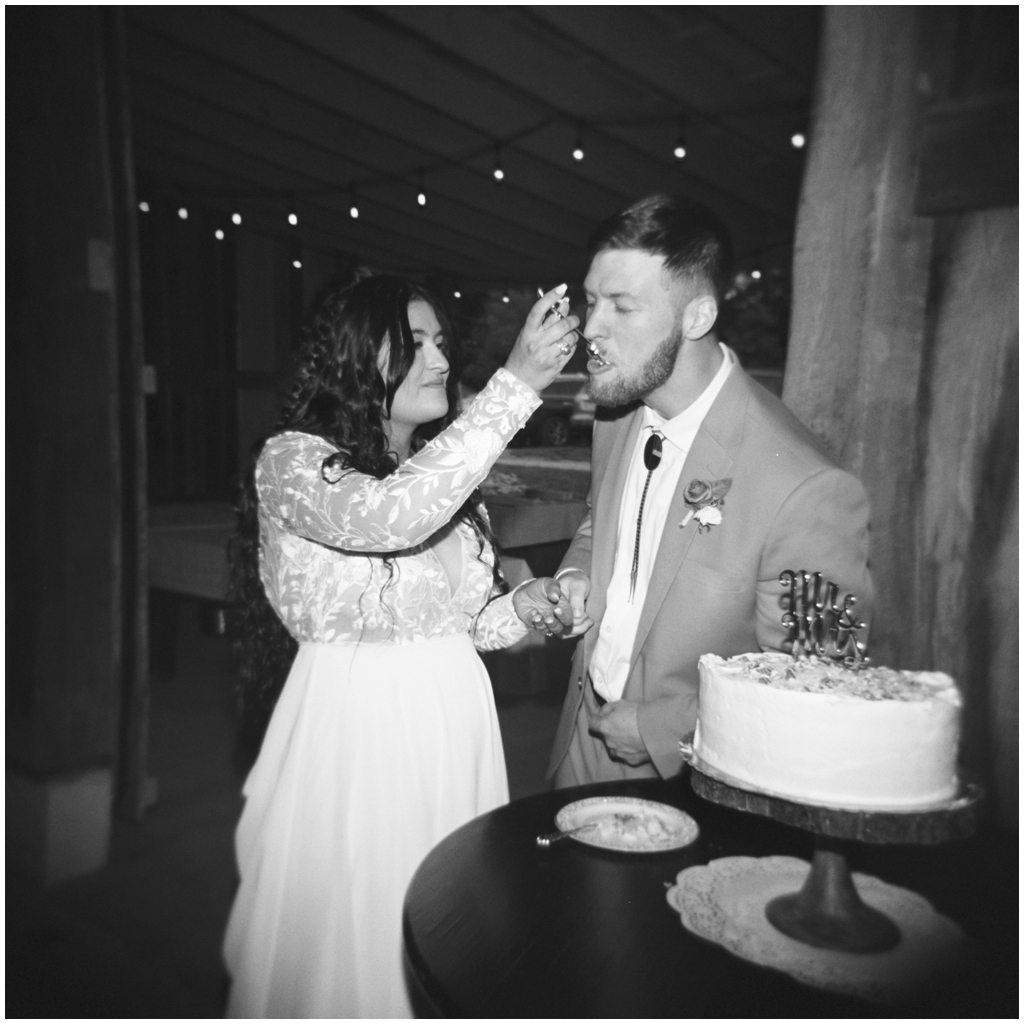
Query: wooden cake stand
827	912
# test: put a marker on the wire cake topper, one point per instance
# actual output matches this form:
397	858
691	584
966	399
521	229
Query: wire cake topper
815	622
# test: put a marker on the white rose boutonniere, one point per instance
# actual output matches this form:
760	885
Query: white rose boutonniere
709	516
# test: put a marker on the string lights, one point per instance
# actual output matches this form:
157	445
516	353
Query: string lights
287	200
798	140
679	150
577	153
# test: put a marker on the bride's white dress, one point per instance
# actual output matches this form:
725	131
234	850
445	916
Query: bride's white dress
385	738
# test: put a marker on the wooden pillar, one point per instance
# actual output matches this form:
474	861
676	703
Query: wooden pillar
903	348
66	504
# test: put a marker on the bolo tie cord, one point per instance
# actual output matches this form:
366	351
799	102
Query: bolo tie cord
652	456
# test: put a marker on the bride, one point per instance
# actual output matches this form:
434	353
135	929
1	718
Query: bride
363	536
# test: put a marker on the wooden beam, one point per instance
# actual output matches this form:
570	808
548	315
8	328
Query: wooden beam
969	155
903	358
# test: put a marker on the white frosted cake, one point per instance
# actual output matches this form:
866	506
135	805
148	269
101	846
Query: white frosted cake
813	731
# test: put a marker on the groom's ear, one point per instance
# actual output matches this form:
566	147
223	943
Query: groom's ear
699	316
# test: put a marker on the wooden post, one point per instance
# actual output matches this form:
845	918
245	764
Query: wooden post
64	448
903	355
135	789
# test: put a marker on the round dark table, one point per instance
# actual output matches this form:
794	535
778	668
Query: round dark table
497	927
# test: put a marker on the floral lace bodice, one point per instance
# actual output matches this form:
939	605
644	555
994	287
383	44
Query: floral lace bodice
321	542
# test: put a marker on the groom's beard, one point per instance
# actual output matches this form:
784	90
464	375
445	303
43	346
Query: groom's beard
646	378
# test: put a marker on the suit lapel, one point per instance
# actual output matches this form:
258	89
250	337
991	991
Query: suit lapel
710	458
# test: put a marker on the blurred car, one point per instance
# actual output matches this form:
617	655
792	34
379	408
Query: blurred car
566	410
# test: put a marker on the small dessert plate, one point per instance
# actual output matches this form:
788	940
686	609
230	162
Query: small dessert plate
628	824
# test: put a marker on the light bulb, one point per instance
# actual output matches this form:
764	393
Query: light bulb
577	153
798	139
498	174
297	264
504	297
457	295
182	213
219	235
353	211
421	198
680	151
236	218
293	219
756	275
144	206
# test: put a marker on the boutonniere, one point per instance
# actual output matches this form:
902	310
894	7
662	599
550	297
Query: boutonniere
705	499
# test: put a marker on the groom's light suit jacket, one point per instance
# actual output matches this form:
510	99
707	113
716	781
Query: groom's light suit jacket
789	507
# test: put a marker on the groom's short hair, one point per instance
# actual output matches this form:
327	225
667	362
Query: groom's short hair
693	239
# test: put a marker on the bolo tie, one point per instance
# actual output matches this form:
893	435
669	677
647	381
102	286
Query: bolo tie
652	456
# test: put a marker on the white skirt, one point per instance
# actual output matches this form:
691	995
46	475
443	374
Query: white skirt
374	754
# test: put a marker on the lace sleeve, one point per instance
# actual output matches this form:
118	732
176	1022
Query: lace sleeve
358	512
497	625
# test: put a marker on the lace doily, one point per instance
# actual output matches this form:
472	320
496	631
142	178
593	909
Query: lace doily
724	901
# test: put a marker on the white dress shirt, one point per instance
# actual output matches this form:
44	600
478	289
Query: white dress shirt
610	663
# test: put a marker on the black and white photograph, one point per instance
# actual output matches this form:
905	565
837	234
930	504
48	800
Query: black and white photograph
512	511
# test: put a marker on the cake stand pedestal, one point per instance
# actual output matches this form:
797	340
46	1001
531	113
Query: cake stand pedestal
827	912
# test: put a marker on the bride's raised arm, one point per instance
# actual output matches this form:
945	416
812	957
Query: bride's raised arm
354	511
357	512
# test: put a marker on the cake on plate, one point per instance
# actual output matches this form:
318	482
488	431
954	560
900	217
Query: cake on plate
812	730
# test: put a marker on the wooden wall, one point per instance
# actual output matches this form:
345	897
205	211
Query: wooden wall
903	353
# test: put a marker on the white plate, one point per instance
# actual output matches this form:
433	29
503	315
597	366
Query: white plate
628	824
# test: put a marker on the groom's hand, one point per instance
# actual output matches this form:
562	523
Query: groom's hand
616	724
576	589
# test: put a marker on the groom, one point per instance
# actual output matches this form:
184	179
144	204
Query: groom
704	489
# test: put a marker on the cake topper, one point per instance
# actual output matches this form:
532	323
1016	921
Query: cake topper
815	622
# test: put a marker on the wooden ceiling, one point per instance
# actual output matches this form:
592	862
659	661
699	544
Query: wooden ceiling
271	110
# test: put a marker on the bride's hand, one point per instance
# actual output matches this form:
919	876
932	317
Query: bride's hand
542	606
545	344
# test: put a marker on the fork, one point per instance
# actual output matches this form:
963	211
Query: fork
548	838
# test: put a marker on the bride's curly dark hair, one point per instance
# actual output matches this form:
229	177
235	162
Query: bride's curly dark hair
341	395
